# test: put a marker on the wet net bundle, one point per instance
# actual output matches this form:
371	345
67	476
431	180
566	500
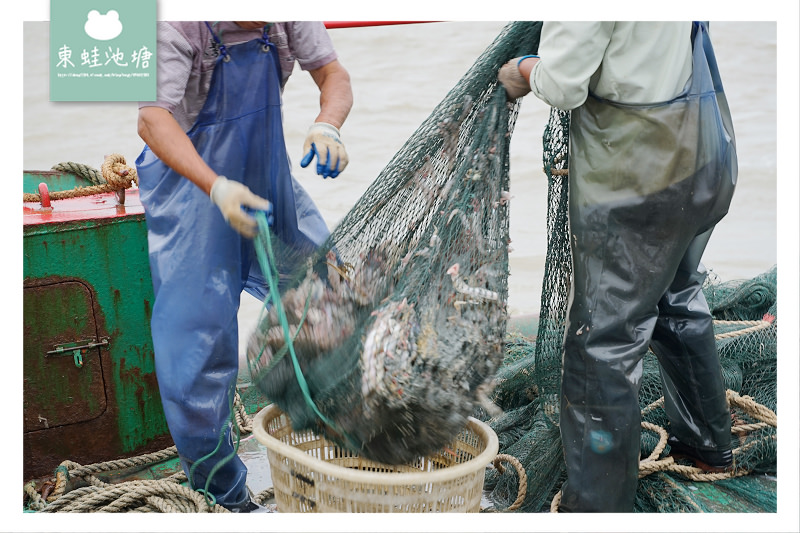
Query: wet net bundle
387	339
528	384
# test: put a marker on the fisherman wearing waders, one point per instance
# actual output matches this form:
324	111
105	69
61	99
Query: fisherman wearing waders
215	146
652	169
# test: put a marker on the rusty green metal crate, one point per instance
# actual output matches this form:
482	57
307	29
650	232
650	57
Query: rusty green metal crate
90	392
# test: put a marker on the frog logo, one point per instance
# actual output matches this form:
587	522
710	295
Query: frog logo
103	27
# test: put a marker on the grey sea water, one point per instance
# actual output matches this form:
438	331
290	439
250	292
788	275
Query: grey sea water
399	74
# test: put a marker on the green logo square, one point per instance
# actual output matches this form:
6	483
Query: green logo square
102	50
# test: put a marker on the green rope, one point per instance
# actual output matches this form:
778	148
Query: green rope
63	469
233	453
285	348
209	497
266	260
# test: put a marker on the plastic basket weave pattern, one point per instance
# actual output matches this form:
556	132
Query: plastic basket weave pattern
312	474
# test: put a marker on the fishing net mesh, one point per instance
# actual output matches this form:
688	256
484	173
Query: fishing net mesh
398	322
528	382
390	335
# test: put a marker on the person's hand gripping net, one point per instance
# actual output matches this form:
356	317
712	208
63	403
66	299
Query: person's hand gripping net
513	80
233	200
324	141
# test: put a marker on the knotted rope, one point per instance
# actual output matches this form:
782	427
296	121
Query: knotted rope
117	176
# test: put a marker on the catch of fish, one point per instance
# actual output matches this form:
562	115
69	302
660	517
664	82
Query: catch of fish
393	349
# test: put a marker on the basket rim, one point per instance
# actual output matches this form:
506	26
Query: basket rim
483	459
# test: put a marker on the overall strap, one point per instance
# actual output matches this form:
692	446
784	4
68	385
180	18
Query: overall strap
222	50
265	36
708	49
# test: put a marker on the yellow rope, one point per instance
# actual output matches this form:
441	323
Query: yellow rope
768	417
754	325
523	478
652	464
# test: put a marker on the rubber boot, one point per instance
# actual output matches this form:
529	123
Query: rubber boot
683	340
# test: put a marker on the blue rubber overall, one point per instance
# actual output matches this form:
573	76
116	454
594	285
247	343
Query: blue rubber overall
648	183
200	265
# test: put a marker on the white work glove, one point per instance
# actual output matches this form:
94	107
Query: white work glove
515	84
231	197
324	141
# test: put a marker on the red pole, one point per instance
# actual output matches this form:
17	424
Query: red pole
44	196
360	24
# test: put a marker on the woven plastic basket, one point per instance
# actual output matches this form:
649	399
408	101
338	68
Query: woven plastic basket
311	474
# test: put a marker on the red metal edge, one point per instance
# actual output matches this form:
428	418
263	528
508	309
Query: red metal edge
93	207
331	25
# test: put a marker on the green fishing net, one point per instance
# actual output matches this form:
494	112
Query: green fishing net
395	331
746	330
528	385
388	338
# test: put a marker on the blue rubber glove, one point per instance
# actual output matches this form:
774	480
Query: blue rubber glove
324	141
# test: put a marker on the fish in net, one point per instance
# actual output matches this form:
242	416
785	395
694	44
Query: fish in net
389	336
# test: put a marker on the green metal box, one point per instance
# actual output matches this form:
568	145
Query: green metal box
90	392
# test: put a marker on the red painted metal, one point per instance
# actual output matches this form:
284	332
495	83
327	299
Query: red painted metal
45	195
96	206
361	24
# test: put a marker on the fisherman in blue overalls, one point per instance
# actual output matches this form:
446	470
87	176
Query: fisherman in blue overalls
215	149
652	169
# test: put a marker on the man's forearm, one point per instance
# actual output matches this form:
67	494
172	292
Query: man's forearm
169	142
336	94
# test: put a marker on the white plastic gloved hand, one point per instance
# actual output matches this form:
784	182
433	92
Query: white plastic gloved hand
324	141
513	81
231	197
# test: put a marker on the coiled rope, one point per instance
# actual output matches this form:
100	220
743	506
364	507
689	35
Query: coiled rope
652	463
91	174
168	495
523	479
114	175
